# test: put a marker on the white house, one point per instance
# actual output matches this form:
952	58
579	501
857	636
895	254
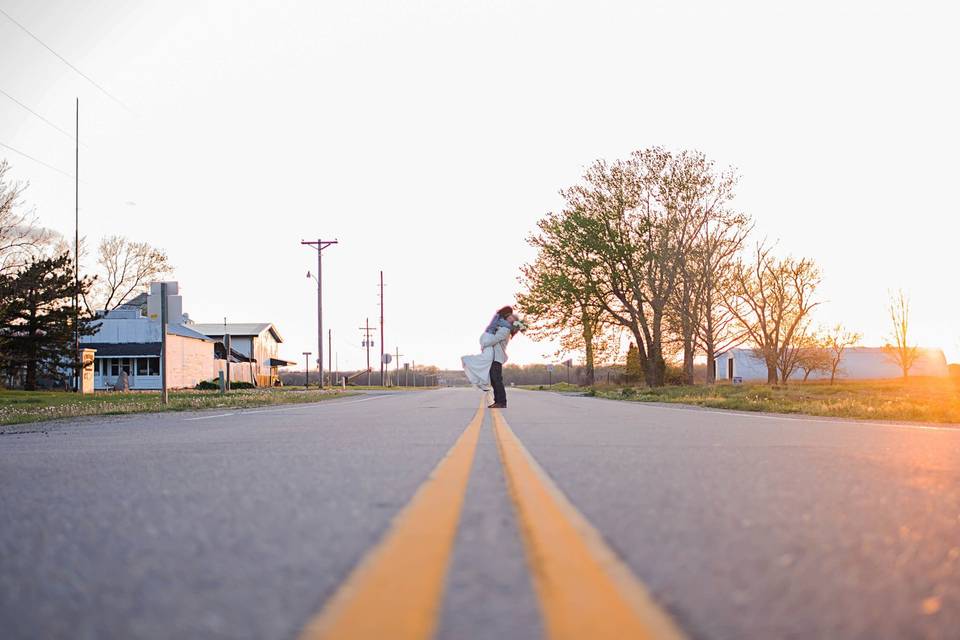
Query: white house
259	342
857	363
128	339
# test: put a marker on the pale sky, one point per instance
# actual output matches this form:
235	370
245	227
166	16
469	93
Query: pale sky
429	137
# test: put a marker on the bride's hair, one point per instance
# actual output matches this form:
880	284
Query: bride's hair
503	312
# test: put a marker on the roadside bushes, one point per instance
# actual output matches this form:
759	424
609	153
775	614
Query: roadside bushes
214	385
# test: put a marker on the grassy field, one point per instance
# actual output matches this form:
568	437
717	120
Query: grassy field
32	406
934	400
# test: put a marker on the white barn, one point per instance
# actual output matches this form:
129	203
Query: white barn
857	363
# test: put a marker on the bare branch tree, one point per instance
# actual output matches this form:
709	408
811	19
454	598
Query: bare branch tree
836	340
813	355
125	268
899	349
775	299
698	312
705	303
20	236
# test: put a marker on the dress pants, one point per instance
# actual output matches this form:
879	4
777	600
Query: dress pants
496	379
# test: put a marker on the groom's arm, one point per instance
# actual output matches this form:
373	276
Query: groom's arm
488	339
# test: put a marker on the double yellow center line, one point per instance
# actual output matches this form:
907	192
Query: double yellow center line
397	589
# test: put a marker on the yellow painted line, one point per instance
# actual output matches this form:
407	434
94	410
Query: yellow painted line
396	590
584	590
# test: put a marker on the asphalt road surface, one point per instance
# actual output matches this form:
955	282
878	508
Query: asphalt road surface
427	515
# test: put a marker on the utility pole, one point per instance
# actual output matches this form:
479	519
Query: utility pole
165	398
381	329
320	245
367	344
76	254
306	369
228	349
333	381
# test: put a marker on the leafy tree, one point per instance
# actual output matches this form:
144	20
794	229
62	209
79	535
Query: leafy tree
561	302
38	322
636	219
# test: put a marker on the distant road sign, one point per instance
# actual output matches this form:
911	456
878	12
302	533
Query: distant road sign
387	358
550	368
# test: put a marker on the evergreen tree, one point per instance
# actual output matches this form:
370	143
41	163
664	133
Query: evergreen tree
633	368
37	320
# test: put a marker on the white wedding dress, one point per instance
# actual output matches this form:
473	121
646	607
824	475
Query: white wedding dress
477	367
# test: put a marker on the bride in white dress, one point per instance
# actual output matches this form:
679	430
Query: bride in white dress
500	330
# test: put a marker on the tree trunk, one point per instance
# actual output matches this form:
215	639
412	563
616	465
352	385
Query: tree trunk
643	355
588	348
772	377
711	360
656	368
688	355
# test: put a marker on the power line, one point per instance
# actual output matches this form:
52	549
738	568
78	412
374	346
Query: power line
64	132
49	166
66	62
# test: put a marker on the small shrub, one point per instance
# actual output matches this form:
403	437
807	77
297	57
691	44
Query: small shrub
591	393
541	388
628	392
214	385
674	376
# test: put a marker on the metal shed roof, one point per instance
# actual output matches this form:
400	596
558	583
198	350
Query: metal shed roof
218	329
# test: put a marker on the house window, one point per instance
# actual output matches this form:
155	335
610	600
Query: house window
148	366
128	365
114	366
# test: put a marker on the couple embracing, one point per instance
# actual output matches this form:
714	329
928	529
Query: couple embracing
485	370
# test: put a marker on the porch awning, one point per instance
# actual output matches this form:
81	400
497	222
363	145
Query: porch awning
280	362
123	349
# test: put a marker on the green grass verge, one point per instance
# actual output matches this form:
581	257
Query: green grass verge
18	407
934	400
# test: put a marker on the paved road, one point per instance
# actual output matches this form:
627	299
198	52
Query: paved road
250	525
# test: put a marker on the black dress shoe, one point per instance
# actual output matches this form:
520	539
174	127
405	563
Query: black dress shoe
497	406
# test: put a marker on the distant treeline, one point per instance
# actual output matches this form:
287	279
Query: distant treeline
513	374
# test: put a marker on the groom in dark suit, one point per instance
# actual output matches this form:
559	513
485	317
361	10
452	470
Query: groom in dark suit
496	368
